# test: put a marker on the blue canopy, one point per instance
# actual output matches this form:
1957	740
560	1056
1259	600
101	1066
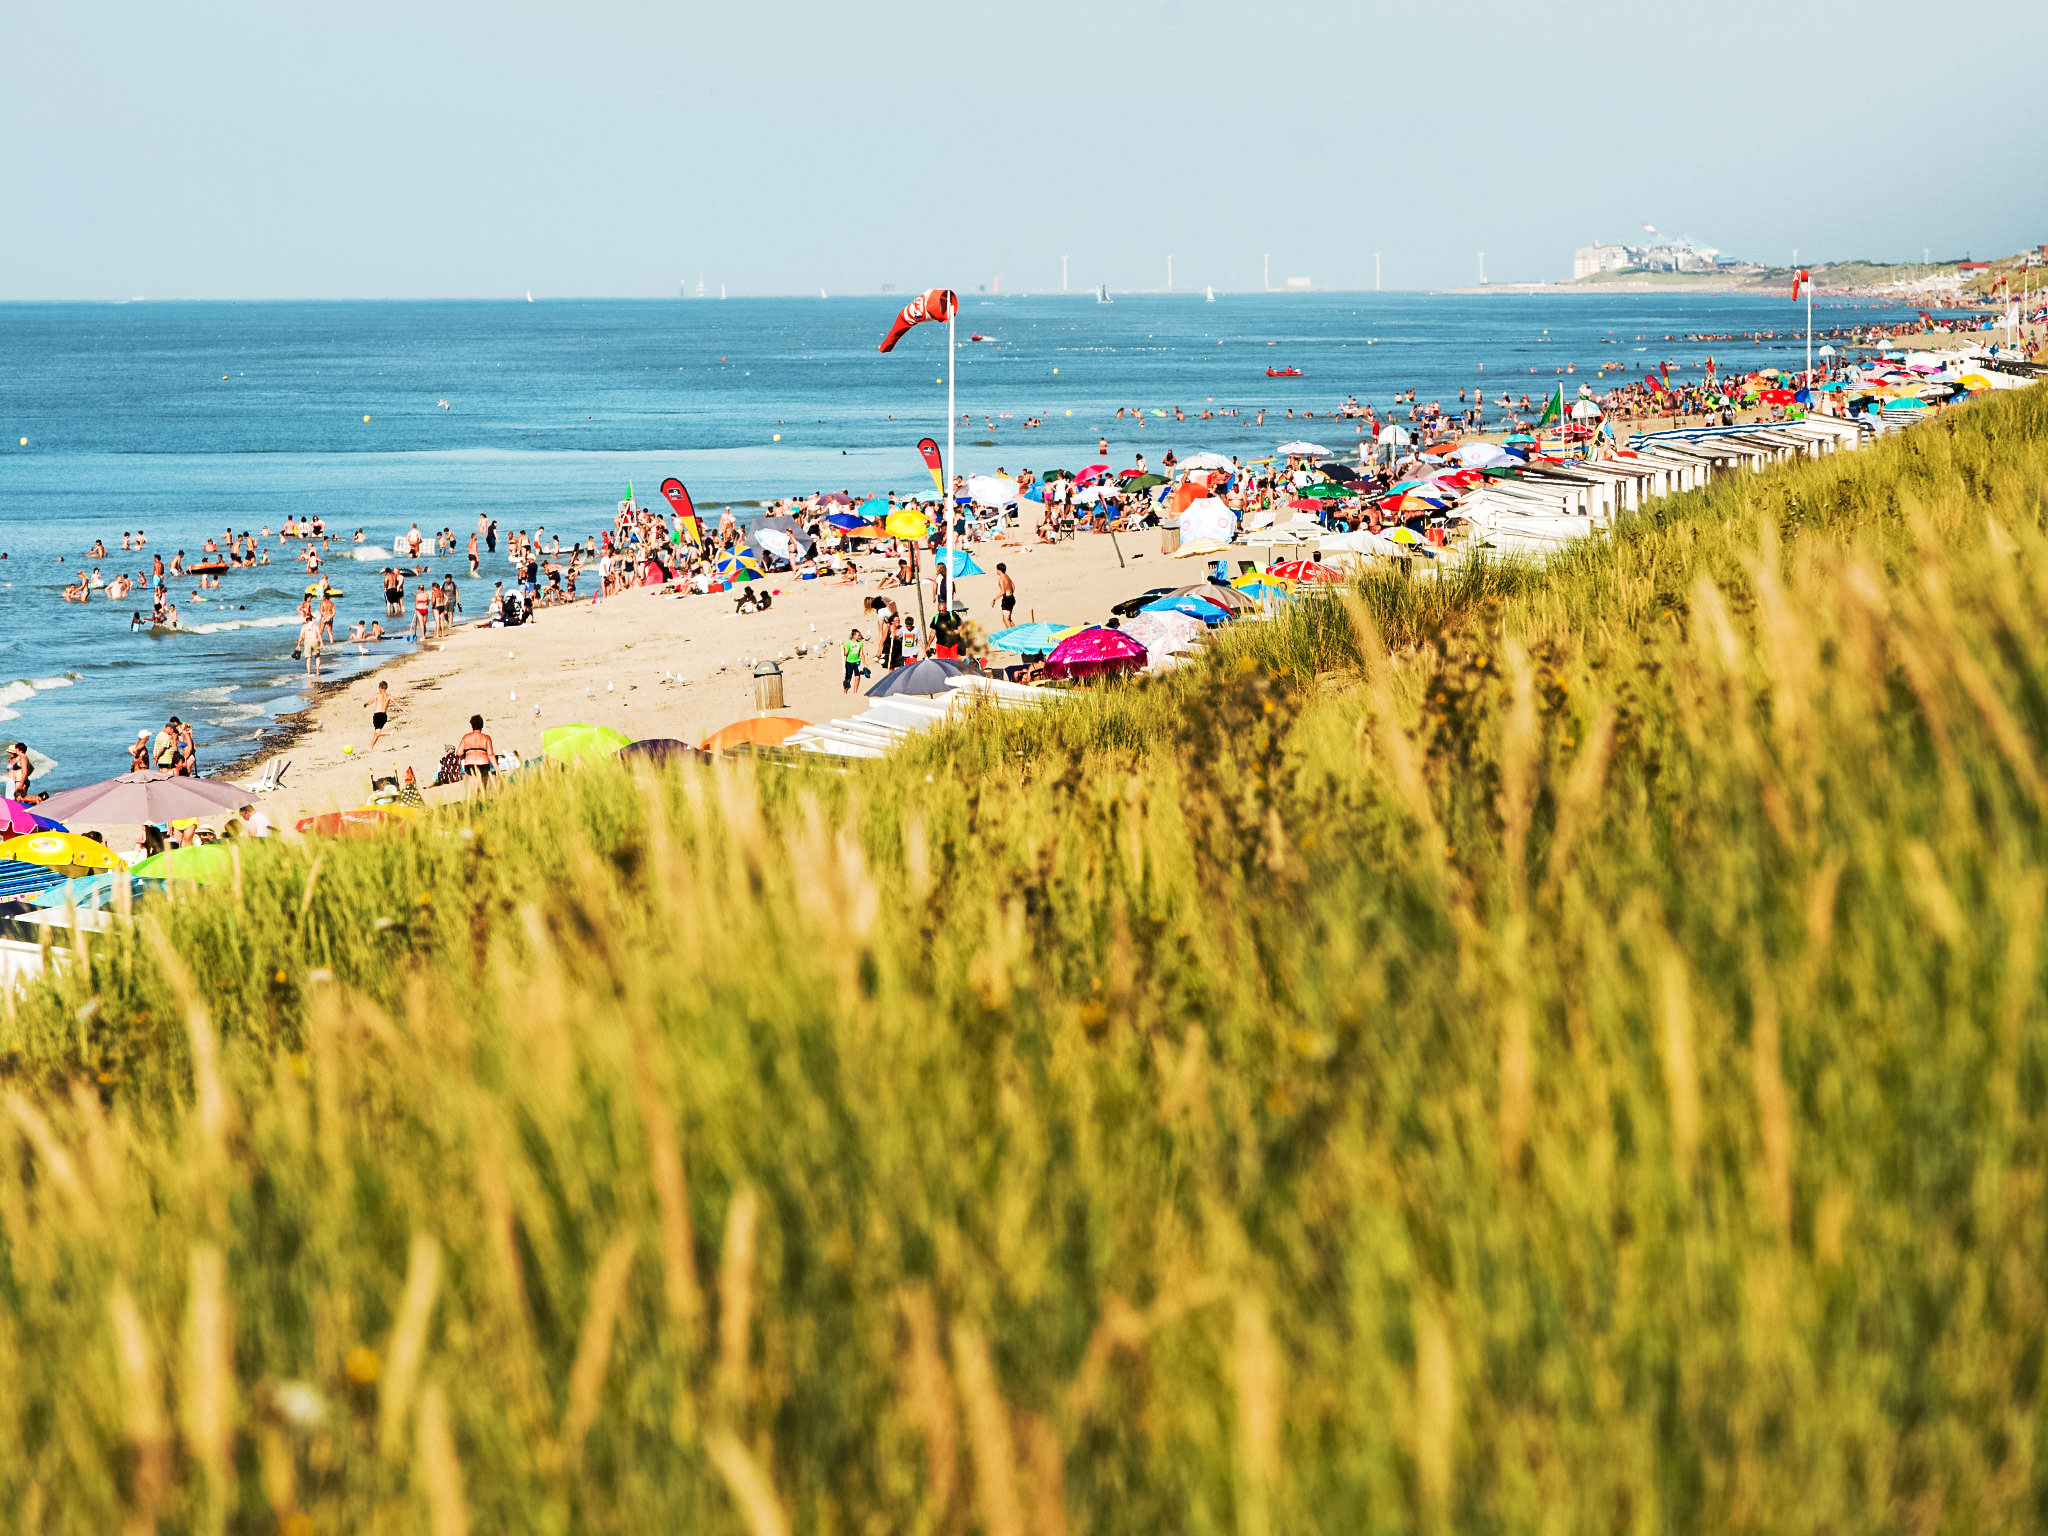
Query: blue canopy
962	563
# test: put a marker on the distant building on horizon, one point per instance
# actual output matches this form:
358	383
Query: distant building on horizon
1601	256
1662	256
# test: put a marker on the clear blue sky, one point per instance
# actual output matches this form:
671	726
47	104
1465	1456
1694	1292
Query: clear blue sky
609	147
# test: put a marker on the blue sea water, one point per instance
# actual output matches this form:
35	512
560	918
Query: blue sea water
188	419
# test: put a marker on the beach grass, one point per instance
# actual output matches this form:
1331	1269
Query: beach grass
1547	1050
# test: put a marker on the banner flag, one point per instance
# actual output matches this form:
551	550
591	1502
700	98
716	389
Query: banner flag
930	452
679	498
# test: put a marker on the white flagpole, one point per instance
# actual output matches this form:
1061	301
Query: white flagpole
952	416
1809	333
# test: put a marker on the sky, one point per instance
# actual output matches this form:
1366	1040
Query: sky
458	148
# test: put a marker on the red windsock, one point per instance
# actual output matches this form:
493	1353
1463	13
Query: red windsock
932	304
1798	278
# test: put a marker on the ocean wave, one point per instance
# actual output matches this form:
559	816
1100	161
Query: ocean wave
368	552
222	626
21	690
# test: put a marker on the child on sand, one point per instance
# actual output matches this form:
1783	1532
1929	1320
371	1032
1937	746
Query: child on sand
379	704
855	652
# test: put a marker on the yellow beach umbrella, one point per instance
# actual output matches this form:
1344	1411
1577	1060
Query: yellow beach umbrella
907	523
60	850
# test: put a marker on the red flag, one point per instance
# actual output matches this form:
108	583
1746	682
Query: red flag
1799	277
1656	384
1664	372
930	452
679	497
932	304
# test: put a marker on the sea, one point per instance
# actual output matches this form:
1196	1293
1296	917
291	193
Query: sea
183	420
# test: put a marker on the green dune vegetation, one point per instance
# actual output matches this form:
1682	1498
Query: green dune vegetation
1546	1050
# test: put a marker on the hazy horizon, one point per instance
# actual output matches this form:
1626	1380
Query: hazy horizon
456	151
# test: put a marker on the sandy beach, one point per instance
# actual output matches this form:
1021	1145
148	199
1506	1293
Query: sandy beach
618	663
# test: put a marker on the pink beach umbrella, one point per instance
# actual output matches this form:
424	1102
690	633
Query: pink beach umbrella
18	820
1094	651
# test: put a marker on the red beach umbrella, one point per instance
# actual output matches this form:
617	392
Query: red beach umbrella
1305	570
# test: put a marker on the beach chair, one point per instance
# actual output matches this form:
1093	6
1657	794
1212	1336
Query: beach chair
273	777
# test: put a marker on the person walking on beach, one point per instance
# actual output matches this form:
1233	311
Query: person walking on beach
478	755
380	705
326	617
420	605
309	646
1006	593
855	653
472	555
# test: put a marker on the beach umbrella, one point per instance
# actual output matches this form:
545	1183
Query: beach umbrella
835	499
736	567
1197	549
92	892
362	821
991	490
568	743
957	562
1326	491
845	522
775	542
1162	634
145	796
658	749
873	510
1404	536
67	851
1219	594
1095	651
205	864
1305	570
1584	410
1339	471
920	679
1208	518
1204	460
1027	639
755	731
908	523
1211	613
1303	450
1144	482
16	818
1264	591
1519	437
1091	474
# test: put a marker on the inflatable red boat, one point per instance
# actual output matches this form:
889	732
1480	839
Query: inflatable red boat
1283	373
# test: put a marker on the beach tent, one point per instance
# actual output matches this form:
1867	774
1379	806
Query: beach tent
569	743
958	562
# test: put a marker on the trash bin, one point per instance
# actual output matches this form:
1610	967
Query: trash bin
767	686
1169	538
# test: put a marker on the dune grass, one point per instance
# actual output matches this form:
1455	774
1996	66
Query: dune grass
1579	1066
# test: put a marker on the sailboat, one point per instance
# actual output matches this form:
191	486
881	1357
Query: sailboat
1209	295
529	295
721	290
821	293
1102	295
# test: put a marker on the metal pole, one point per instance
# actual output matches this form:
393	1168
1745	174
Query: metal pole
952	415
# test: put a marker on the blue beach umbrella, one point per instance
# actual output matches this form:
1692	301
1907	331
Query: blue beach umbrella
873	510
88	892
1264	591
1027	639
1194	607
847	521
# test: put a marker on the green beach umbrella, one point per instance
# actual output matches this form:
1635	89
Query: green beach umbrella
569	743
205	864
1327	491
